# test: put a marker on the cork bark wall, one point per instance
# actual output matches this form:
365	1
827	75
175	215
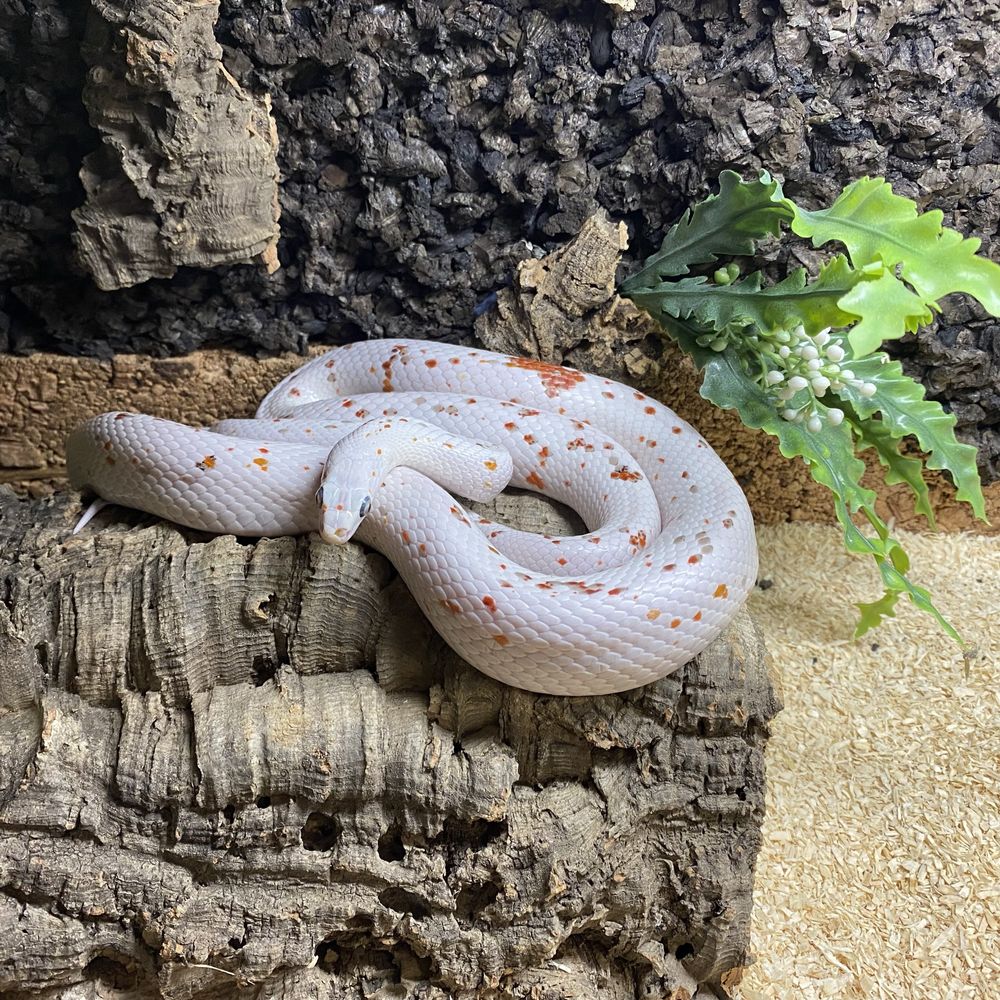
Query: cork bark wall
424	150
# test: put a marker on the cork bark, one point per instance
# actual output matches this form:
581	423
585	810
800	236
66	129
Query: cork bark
186	172
424	152
232	769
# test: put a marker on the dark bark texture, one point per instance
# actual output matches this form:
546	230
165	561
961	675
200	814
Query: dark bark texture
426	148
253	770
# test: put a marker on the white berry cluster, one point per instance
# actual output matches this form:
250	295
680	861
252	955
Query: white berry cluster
811	365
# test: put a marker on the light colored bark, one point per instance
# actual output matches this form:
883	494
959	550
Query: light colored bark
225	763
186	174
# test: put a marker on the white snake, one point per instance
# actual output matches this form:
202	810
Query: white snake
352	441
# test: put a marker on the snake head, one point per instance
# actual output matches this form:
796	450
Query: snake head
341	513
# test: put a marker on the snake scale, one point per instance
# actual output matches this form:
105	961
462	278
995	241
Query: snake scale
368	438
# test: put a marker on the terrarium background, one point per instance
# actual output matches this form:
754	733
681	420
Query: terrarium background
425	150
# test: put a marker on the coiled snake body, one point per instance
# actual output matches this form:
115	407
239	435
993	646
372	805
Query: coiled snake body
358	439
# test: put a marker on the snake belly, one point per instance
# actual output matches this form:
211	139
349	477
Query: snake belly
628	606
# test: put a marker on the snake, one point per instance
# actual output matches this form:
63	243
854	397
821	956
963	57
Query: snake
376	441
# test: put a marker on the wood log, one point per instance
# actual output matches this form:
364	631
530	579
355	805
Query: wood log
236	769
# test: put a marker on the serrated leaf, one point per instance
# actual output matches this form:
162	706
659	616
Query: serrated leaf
727	223
876	224
888	555
829	452
872	433
886	309
873	613
792	302
904	411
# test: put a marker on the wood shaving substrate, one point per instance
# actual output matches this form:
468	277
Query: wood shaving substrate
880	871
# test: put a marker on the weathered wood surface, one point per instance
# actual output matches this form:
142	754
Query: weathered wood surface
186	172
232	769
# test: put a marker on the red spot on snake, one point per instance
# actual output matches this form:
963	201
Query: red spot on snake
489	603
454	361
329	364
608	395
261	464
529	413
652	614
727	523
639	396
306	468
638	540
616	591
544	586
651	444
361	413
669	567
510	425
506	583
406	537
529	438
556	541
339	506
596	540
422	548
685	474
693	559
490	464
470	401
625	474
431	363
347	402
294	392
650	410
451	606
500	640
263	451
562	561
536	480
676	430
675	623
721	591
208	462
553	377
697	617
107	446
120	416
109	460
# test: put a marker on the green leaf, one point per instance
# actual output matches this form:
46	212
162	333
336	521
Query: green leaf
889	556
904	411
727	223
790	303
886	309
829	452
875	434
877	225
873	613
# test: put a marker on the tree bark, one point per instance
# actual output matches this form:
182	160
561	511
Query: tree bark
232	769
425	150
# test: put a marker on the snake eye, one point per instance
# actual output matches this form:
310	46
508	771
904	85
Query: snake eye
366	505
